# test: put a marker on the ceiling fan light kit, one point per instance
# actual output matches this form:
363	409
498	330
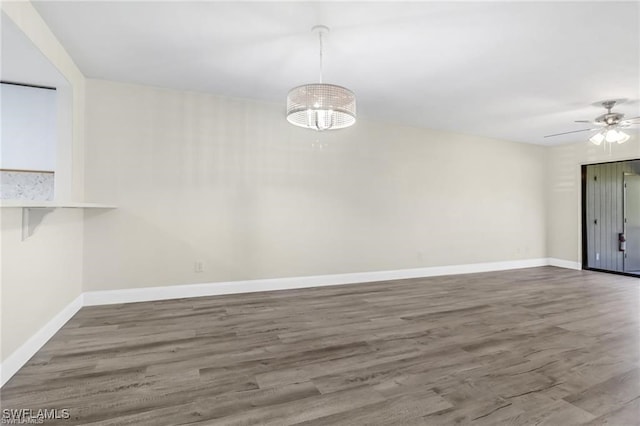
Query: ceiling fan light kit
610	135
610	125
612	121
321	106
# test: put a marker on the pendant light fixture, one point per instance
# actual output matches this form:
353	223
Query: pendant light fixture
321	106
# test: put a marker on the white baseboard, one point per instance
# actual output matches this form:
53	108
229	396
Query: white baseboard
561	263
16	360
220	288
20	357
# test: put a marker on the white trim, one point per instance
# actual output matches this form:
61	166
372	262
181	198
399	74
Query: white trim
29	204
232	287
561	263
19	358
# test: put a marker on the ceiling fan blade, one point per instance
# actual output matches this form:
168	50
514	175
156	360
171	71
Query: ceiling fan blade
566	133
632	118
593	123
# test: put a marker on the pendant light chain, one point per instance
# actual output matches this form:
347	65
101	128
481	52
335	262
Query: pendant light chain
321	48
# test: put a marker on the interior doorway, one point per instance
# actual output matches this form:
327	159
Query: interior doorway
611	217
632	223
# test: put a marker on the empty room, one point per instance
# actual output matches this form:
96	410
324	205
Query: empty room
320	213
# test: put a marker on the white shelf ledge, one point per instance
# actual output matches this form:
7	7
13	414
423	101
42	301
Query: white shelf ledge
52	205
33	212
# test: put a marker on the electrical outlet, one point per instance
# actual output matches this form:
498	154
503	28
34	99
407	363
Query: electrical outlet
198	266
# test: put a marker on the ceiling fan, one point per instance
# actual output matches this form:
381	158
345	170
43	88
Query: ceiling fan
607	126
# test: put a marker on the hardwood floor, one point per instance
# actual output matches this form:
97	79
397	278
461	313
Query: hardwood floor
531	346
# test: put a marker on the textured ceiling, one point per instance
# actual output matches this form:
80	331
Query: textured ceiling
508	70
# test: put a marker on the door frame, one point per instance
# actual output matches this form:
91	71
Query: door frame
583	219
624	209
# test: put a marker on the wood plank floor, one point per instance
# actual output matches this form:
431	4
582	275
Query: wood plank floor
531	346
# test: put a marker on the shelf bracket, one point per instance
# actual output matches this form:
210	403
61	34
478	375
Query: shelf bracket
31	218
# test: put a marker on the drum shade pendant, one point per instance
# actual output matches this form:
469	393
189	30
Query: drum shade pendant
321	106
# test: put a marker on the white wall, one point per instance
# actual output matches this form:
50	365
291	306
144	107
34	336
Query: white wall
230	183
42	275
564	232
